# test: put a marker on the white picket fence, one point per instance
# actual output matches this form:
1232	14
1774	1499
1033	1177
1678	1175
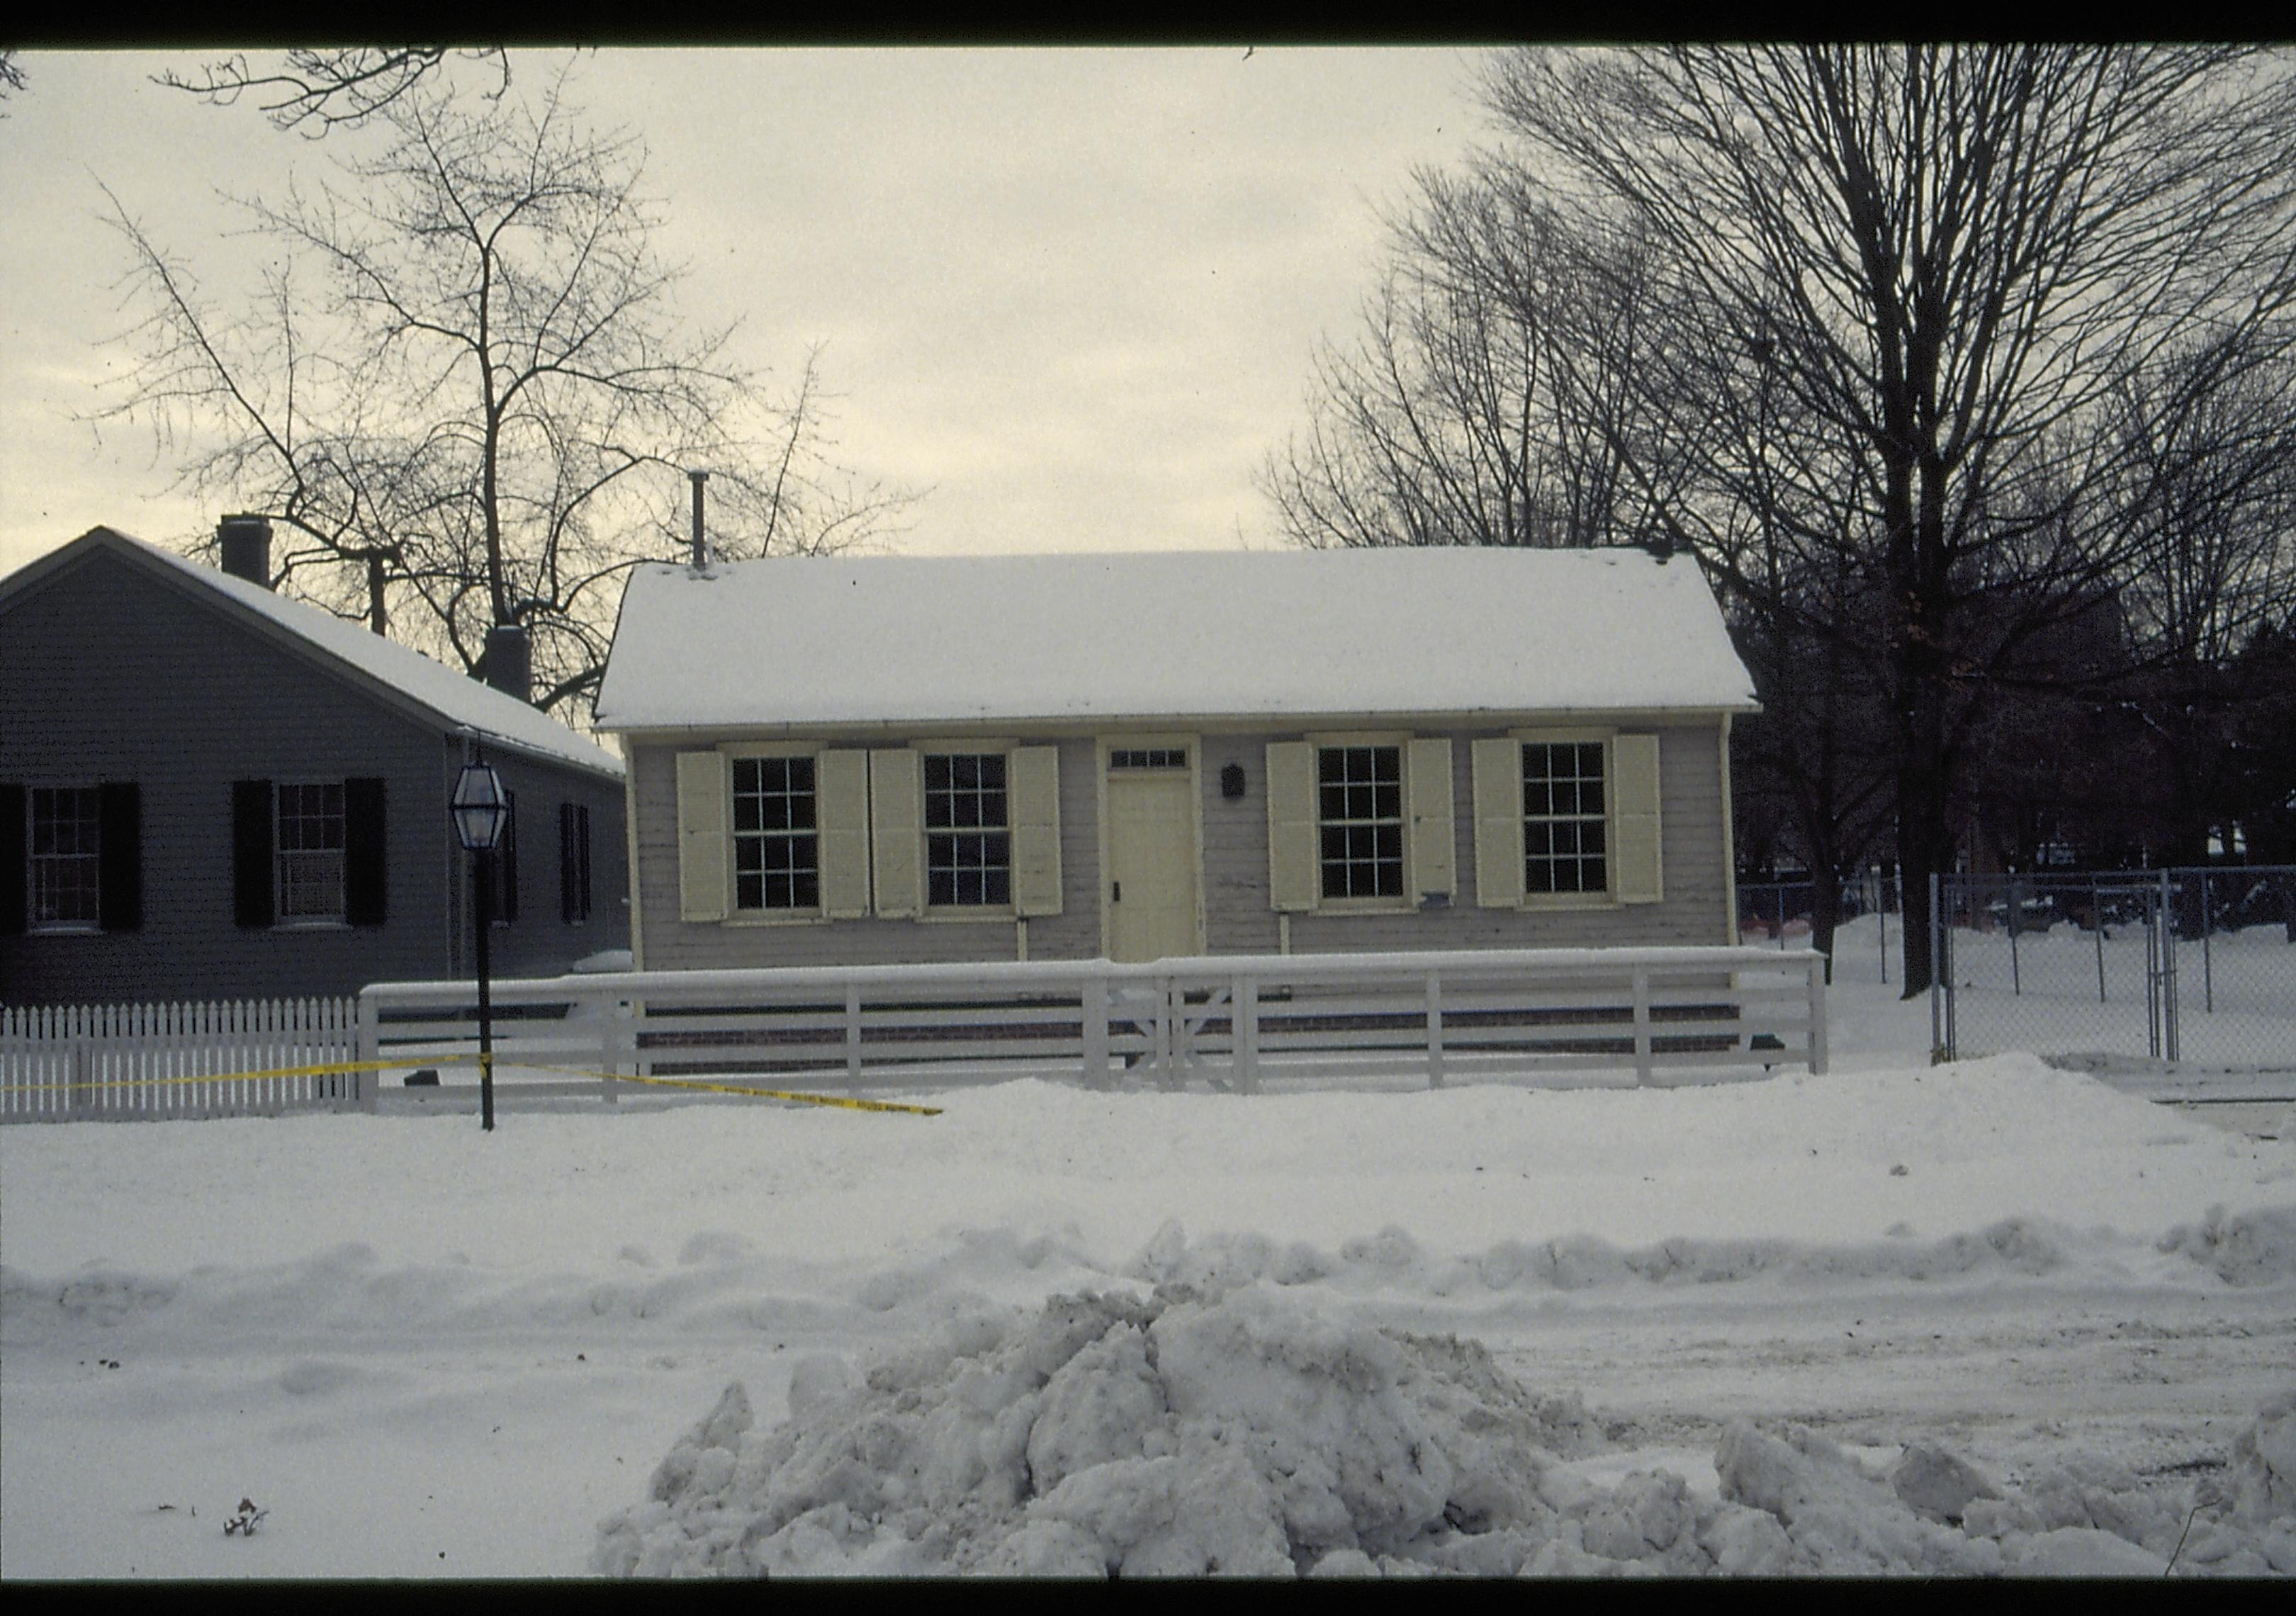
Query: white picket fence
1233	1023
125	1061
1227	1022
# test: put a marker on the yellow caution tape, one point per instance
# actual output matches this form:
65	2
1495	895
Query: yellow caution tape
346	1066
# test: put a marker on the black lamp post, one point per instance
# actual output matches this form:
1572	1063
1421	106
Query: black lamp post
478	808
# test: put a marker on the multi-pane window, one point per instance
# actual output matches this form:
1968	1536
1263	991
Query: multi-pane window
1149	757
1360	812
968	836
777	841
66	839
1562	818
310	851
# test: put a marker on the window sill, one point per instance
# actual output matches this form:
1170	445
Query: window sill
75	928
1551	903
770	917
1004	912
310	925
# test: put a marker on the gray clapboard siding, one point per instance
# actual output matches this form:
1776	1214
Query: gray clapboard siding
107	673
1237	915
1692	913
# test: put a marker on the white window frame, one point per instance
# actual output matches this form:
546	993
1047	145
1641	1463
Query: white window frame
284	858
736	910
1406	896
1605	895
927	750
91	857
1645	815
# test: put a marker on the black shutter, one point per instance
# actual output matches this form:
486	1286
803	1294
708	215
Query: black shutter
251	831
15	861
566	863
119	857
574	863
506	864
365	882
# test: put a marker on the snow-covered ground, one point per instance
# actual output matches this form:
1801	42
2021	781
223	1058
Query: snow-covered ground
1987	1317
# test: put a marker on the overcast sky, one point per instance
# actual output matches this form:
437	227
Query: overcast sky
1074	293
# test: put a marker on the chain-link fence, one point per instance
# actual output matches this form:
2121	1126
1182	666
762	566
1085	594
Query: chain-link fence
2191	966
1785	911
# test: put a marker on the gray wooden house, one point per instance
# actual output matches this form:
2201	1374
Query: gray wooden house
895	759
208	791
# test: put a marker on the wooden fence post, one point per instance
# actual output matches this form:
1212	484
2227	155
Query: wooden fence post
1095	1030
1434	1030
1244	1021
1641	1024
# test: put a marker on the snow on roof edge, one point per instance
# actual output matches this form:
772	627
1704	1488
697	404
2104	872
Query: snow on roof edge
462	703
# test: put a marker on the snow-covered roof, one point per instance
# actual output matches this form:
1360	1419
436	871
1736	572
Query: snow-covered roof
824	640
461	701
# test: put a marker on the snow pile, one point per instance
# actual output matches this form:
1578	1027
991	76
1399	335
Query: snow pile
1251	1434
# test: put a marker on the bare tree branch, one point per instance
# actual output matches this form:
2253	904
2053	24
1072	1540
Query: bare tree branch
471	382
316	91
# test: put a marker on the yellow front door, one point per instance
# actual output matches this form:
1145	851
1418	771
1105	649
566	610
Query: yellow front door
1151	891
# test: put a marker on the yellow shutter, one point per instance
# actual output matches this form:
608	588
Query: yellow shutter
1637	877
842	820
1433	838
1498	823
1036	809
897	830
1294	869
702	836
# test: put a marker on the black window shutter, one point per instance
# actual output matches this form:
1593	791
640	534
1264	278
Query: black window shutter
15	856
119	857
573	863
506	864
251	831
364	885
566	863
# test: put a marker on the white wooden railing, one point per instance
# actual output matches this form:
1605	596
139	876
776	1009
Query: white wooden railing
121	1062
1232	1021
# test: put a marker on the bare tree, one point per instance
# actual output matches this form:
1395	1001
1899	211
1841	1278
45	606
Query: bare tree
467	382
1452	419
1947	260
315	91
11	76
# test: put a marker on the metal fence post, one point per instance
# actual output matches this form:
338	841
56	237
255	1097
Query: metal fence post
1817	1054
2208	959
2168	971
1941	1049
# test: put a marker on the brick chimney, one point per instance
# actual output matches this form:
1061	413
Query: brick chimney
507	665
246	543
